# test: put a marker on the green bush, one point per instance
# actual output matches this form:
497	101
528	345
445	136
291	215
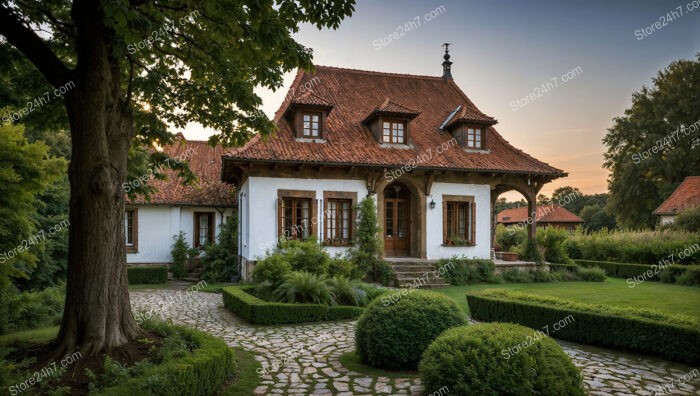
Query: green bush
144	275
477	360
368	248
384	273
30	310
179	252
691	276
593	274
371	291
395	335
459	271
342	267
551	241
688	220
221	258
508	238
530	251
675	274
305	255
241	302
306	288
273	268
643	247
346	293
674	337
201	371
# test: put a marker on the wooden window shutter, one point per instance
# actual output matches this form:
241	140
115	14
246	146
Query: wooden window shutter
280	219
444	221
353	220
473	236
212	222
314	218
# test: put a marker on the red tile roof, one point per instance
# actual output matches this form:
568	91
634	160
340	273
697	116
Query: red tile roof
208	189
686	196
355	94
545	214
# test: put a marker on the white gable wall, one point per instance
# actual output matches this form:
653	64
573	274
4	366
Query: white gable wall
157	224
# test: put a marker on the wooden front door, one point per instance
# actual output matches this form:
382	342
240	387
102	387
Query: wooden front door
397	211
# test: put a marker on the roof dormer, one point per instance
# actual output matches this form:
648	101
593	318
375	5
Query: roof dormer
307	115
469	127
389	123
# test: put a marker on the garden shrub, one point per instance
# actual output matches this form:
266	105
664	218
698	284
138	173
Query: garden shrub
551	241
368	247
508	238
691	276
179	252
643	247
459	271
273	268
688	220
384	273
472	360
305	287
395	335
144	275
307	255
341	267
593	274
674	337
346	293
201	370
673	274
529	251
371	291
243	303
221	258
30	310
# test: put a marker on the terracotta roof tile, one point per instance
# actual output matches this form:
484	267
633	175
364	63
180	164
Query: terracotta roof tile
469	113
545	214
208	190
389	106
686	196
355	94
310	98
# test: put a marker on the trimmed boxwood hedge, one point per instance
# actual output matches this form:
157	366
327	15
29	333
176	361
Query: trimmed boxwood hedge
147	275
674	337
201	373
256	311
621	270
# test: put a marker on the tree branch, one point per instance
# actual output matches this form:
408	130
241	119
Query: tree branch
33	47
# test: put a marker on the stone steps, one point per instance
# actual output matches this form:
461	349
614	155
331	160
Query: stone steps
416	273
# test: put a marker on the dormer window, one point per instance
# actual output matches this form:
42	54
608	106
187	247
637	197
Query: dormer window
394	132
312	125
474	138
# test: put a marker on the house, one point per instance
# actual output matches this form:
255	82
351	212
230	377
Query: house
547	216
432	159
196	210
686	196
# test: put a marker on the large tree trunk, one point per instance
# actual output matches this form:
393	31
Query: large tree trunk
97	312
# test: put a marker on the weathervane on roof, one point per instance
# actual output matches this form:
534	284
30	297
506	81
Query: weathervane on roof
446	64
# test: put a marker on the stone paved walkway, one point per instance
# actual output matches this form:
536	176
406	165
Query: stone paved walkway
313	352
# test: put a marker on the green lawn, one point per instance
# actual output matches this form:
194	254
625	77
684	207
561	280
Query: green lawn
650	295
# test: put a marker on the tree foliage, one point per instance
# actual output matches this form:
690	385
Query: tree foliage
655	144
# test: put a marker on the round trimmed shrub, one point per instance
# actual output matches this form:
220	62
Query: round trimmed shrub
395	329
498	359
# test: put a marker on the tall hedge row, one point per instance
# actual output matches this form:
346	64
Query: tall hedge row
674	337
256	311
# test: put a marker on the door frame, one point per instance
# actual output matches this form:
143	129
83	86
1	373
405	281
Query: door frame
417	213
395	215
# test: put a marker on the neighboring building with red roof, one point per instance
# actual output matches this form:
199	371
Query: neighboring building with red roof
686	196
197	210
434	161
547	216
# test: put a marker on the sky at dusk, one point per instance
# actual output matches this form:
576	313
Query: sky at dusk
505	50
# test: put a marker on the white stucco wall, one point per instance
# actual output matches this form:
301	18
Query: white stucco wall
157	224
258	205
667	219
482	198
261	204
